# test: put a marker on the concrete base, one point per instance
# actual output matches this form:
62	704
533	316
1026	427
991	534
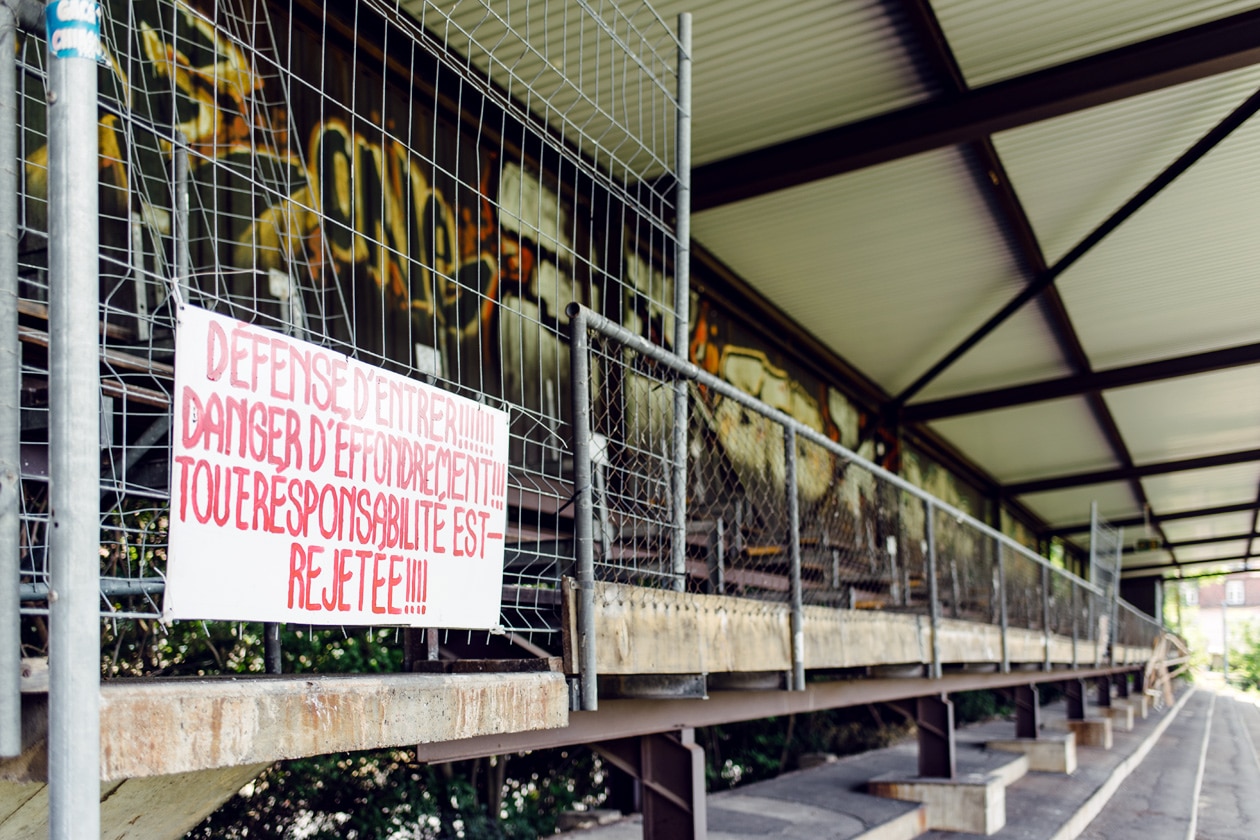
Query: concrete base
1141	704
1047	755
1121	715
1093	732
971	803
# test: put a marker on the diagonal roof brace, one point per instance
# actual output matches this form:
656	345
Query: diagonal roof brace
1070	386
1195	53
1187	159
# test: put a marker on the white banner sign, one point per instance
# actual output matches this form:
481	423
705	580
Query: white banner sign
309	487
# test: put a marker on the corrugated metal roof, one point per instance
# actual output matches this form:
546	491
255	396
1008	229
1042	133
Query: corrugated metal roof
891	266
1205	527
1044	438
1058	507
1074	171
765	73
995	41
1195	415
1235	484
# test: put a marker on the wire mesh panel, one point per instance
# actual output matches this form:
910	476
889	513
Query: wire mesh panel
420	186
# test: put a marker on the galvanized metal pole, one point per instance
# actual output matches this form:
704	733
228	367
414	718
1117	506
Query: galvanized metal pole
583	507
682	296
934	601
10	406
1076	618
1006	650
74	733
1045	612
794	553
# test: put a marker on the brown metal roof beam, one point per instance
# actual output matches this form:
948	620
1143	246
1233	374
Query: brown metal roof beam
1134	521
1070	386
1184	56
1126	473
1169	567
1200	541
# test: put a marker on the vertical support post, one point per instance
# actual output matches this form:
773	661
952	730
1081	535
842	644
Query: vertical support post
1045	612
271	647
10	404
1027	711
1074	691
934	601
183	253
1076	617
1003	616
670	770
794	554
1122	684
1102	694
935	719
682	295
583	510
74	733
1139	681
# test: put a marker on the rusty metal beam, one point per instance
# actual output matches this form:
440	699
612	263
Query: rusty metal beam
1194	53
632	718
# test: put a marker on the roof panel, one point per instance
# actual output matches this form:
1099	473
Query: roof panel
1072	172
1207	527
762	76
1027	441
1213	551
890	266
1061	507
1179	277
1192	489
1021	350
1193	415
995	41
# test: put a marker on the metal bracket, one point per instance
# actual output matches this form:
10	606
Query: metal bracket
670	770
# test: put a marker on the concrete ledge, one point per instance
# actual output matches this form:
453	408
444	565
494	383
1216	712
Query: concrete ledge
973	803
1046	755
1092	732
1121	715
146	730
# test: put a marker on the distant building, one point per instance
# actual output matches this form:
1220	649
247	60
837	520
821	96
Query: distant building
1216	609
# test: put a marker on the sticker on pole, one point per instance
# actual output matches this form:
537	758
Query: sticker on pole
74	28
310	487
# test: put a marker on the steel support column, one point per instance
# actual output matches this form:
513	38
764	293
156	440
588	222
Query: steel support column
1103	691
1122	685
935	718
1139	681
1074	689
670	770
1027	711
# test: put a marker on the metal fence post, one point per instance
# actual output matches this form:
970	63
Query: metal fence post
934	601
1076	618
1001	569
583	507
794	552
682	296
10	405
74	735
1045	611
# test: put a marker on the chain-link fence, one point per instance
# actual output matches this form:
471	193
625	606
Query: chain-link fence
777	512
420	186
